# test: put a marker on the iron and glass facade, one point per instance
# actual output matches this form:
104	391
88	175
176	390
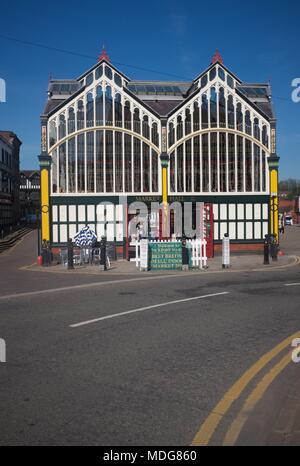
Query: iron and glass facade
105	136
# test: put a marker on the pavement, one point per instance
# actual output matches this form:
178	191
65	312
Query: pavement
201	358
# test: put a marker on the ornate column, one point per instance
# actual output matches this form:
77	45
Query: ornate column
164	160
45	165
273	163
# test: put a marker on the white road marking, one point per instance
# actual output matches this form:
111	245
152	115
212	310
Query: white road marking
132	311
88	285
292	284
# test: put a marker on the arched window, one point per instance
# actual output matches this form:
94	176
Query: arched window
99	161
62	168
240	164
231	162
204	80
214	162
204	112
239	117
154	168
212	74
196	116
118	111
118	162
108	72
71	120
54	171
118	80
221	73
62	126
90	161
265	139
187	121
171	136
127	115
172	172
222	163
71	165
248	164
52	133
137	164
263	170
230	112
179	164
99	106
99	72
205	164
108	106
128	163
146	168
154	134
109	161
188	166
146	129
80	115
136	121
179	128
89	110
222	108
196	163
89	79
248	127
213	108
230	81
80	163
256	162
256	129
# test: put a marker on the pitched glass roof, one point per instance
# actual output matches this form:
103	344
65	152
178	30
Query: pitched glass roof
254	91
158	89
64	88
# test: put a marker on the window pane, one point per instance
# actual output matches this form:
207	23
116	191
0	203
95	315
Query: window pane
118	162
137	165
71	167
205	163
80	164
248	165
128	179
90	161
99	161
196	142
62	168
109	162
213	162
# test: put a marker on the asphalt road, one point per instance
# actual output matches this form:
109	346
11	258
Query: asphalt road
152	376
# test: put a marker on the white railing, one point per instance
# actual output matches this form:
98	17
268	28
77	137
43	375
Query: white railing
196	246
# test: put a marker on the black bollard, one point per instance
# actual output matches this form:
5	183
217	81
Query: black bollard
266	250
103	258
273	248
185	255
70	255
44	253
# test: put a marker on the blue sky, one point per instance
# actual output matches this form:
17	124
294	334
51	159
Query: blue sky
259	41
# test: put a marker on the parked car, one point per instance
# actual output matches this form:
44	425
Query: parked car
288	220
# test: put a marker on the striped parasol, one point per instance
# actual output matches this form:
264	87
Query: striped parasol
85	237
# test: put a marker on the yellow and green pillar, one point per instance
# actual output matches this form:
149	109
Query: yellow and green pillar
273	163
164	159
45	165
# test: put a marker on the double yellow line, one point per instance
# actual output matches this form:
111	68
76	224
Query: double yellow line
208	428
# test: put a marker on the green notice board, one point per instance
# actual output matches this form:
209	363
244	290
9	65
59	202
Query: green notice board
165	256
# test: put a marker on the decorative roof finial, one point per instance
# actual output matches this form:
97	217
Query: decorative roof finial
217	57
103	55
